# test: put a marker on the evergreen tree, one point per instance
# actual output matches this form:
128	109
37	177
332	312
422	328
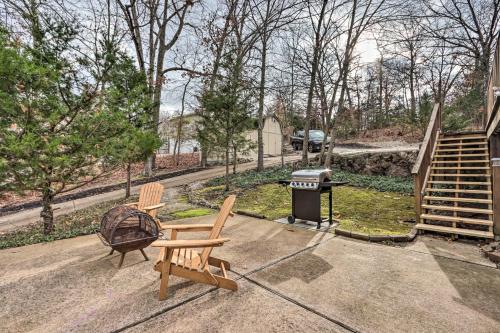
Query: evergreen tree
56	134
226	115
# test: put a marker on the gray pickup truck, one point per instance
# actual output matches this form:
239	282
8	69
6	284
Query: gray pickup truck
315	140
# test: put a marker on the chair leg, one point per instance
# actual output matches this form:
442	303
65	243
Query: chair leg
165	273
144	254
121	260
111	252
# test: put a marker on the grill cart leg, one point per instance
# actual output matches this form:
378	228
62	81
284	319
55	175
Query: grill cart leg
121	260
111	252
144	254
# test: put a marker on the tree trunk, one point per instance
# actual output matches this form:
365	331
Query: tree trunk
235	159
260	114
47	214
413	100
129	182
283	141
314	68
148	171
227	169
179	125
328	160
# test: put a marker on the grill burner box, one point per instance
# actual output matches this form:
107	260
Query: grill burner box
307	187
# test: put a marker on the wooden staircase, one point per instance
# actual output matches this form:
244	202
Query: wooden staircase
457	193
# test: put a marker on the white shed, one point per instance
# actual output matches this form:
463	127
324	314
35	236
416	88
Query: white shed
271	135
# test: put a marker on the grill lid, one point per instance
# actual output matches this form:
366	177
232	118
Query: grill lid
312	175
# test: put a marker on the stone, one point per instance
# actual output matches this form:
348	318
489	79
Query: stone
396	164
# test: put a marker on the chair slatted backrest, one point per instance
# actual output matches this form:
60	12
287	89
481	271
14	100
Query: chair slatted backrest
224	212
150	195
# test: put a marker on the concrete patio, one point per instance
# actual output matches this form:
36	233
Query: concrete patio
290	279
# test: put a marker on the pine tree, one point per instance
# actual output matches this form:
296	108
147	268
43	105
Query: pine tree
56	134
226	113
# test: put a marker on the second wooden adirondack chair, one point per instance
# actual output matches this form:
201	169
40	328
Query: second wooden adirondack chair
149	199
178	257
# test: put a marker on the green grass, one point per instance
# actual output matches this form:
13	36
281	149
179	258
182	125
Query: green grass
358	209
251	178
82	222
194	212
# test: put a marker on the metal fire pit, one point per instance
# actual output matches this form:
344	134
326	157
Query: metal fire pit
307	187
127	229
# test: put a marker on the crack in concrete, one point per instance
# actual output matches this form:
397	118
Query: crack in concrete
239	277
277	293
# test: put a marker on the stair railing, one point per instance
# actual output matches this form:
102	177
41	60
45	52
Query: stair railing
491	126
422	166
492	116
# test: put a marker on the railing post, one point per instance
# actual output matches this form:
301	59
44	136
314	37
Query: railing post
495	188
494	142
418	195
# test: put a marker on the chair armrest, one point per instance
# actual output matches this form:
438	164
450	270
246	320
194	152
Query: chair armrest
154	207
185	243
187	227
131	204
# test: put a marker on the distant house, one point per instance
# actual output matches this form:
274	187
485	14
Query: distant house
168	133
271	137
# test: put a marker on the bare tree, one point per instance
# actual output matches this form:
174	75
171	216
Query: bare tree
154	28
471	27
269	16
363	15
317	18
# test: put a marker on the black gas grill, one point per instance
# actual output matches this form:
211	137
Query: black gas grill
307	187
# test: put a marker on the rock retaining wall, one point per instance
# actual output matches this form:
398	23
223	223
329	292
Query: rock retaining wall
398	164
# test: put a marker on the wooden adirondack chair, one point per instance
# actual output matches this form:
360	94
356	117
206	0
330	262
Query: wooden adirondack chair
149	199
178	257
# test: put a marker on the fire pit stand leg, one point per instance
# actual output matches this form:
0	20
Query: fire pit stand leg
144	254
121	260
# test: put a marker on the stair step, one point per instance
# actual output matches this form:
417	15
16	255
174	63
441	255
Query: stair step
459	182
456	219
454	199
465	135
483	143
459	175
463	155
460	149
460	161
451	230
461	168
459	209
452	190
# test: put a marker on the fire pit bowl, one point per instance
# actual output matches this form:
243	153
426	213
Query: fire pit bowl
126	229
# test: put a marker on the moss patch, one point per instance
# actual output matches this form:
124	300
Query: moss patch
82	222
195	212
358	209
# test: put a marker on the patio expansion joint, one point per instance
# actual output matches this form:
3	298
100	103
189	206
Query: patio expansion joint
450	258
287	298
302	305
239	277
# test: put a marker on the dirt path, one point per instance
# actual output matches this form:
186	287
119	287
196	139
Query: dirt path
27	216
